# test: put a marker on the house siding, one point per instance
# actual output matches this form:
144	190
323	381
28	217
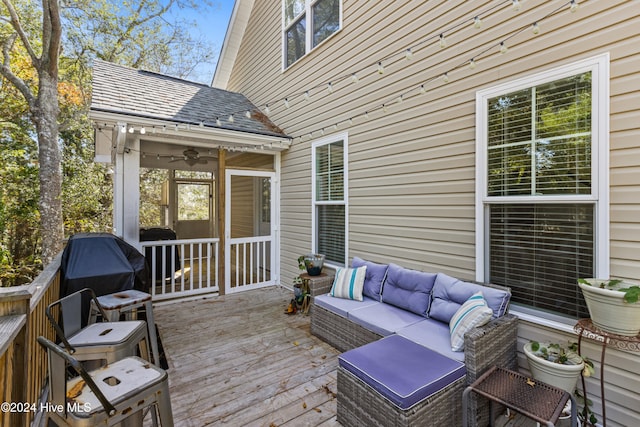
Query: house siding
412	169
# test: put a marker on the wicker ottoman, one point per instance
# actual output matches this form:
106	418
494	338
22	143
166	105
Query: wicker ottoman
396	382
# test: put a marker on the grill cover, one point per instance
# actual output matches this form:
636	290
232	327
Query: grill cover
102	262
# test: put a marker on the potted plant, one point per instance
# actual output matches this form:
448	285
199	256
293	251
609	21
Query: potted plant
613	305
312	263
557	365
560	366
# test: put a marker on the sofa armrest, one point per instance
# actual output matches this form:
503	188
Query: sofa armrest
492	344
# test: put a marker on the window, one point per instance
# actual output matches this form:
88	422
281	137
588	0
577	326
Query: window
542	195
307	23
329	172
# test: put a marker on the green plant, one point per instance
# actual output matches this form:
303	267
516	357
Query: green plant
631	293
302	267
568	354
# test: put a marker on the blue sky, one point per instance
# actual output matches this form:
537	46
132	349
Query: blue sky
212	24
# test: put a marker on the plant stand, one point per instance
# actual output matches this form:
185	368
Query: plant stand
586	328
318	285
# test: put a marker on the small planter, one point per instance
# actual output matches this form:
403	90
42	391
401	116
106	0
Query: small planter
313	264
561	375
608	309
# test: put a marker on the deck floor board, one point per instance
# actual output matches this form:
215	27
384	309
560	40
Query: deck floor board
238	360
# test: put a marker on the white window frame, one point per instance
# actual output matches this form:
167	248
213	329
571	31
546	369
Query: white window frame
308	30
599	66
344	137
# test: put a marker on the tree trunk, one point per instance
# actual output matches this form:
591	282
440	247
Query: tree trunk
45	117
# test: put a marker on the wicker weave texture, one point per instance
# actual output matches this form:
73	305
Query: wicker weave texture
360	405
493	344
339	331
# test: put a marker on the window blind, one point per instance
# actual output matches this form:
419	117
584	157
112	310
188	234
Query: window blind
330	201
540	251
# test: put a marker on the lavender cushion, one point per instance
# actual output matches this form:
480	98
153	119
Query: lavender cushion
342	306
402	371
450	293
374	278
409	289
383	319
434	335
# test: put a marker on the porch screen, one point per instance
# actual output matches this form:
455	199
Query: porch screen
540	201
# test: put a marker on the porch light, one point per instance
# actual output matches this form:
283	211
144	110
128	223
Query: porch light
142	130
231	118
380	68
423	89
123	129
477	22
472	63
445	77
267	111
443	42
329	87
286	102
218	122
574	6
503	48
535	28
131	129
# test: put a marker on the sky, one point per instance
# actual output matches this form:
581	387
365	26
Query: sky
212	24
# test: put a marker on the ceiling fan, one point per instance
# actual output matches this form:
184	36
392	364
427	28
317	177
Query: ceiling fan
191	157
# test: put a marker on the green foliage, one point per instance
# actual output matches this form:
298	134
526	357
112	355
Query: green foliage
139	34
143	34
631	293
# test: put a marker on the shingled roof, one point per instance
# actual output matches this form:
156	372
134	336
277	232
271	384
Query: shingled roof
143	94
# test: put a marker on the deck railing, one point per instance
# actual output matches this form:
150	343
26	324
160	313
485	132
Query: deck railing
23	364
182	267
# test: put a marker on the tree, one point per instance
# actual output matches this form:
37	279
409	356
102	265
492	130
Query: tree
46	138
43	106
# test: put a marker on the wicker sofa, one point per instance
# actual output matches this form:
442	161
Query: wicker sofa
416	307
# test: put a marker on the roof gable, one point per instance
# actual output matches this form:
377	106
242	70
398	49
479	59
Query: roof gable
124	90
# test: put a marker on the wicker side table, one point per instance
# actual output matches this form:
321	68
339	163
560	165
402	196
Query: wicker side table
318	285
533	399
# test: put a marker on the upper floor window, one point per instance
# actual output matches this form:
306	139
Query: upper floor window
330	199
307	23
542	203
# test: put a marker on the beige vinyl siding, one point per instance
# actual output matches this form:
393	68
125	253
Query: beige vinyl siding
412	169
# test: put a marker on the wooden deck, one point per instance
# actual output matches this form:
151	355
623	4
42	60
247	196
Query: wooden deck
238	360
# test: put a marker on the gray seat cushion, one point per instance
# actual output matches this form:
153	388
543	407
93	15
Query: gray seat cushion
383	319
342	306
434	335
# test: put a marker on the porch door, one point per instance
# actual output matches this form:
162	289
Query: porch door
249	230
